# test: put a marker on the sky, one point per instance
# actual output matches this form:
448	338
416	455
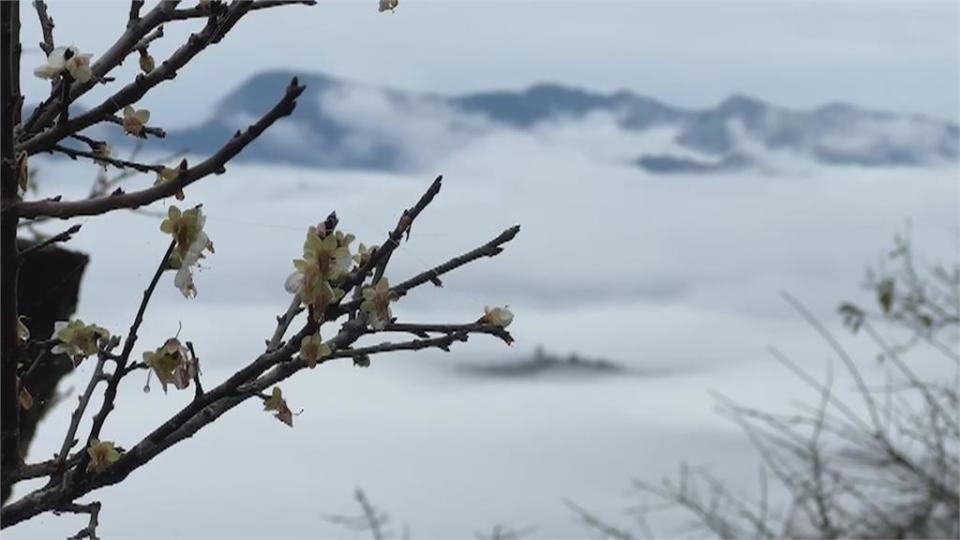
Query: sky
676	278
901	56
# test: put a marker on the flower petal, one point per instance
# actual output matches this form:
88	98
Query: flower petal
294	283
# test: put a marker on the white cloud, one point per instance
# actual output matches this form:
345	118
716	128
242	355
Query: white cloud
420	127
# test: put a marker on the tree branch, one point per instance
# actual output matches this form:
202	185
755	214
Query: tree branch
213	165
93	509
46	26
74	154
65	236
218	24
111	393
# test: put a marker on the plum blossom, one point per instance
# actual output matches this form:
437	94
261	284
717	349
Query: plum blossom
166	174
173	364
102	454
276	403
363	254
78	340
312	349
326	257
376	304
67	59
134	120
191	242
497	316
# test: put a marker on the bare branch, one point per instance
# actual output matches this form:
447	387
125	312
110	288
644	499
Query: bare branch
46	26
73	153
93	509
65	236
69	440
114	382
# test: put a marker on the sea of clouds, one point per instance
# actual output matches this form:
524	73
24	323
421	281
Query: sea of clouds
677	277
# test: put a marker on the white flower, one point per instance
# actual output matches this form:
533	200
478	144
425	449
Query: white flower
79	67
498	316
184	278
187	229
376	304
388	5
69	59
134	120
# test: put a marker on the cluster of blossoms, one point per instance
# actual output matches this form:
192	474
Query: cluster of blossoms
279	405
326	258
78	340
191	243
173	363
102	454
66	60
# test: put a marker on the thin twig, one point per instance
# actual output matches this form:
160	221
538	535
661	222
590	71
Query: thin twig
128	344
93	510
64	236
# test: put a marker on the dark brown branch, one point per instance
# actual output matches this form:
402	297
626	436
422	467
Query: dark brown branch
73	153
46	26
199	12
65	236
44	468
111	393
423	330
283	323
490	249
149	38
213	165
381	259
147	130
69	440
135	6
442	343
382	255
93	509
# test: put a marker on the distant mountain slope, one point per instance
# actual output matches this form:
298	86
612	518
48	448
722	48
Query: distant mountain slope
345	124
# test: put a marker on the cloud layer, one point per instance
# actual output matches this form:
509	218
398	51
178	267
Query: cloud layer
653	271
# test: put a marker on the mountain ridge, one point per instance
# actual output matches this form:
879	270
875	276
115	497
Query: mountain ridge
341	123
